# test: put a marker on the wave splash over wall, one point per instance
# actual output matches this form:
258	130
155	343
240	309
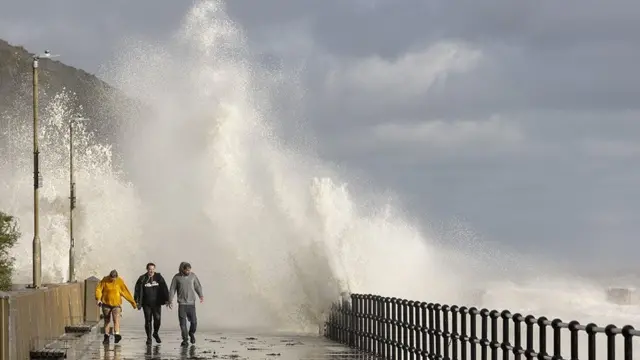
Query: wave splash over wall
273	233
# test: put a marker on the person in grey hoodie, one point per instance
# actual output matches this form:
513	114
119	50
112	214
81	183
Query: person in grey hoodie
185	283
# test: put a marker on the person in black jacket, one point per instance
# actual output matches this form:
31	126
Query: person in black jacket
151	292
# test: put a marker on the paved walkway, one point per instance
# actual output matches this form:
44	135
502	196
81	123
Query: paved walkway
212	346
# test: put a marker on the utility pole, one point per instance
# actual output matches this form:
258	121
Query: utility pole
37	179
72	204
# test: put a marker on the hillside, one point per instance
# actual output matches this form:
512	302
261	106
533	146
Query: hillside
96	97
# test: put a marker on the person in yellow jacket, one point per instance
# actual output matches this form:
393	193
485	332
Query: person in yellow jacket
109	294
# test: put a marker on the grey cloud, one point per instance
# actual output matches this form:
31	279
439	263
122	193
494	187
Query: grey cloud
86	33
563	73
569	84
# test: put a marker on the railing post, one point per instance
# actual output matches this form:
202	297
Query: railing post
556	326
339	322
363	322
627	333
425	330
346	315
390	319
376	325
411	330
364	319
334	322
405	329
91	310
591	341
506	346
574	327
464	338
352	323
473	315
437	309
417	333
455	335
362	308
368	320
542	336
518	350
495	343
432	330
346	318
400	339
395	329
610	331
484	334
446	335
529	321
329	325
355	320
397	306
381	319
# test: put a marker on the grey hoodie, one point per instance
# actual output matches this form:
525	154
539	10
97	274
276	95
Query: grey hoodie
185	285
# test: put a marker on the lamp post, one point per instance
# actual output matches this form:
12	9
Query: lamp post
72	202
37	260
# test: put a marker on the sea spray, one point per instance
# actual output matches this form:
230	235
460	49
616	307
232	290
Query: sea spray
106	204
274	233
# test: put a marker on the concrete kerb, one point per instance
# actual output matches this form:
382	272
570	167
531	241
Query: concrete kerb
76	343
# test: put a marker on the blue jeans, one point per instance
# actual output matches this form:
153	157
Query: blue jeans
187	312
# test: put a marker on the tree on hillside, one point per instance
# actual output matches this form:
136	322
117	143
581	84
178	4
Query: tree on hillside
9	234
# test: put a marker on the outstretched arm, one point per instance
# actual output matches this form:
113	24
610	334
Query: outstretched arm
136	291
124	290
172	290
99	291
198	287
164	289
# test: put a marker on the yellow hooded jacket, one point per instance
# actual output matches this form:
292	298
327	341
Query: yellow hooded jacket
110	292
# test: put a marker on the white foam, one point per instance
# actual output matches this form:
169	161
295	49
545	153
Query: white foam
273	232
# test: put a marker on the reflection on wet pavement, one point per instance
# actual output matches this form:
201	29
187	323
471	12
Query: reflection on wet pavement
216	346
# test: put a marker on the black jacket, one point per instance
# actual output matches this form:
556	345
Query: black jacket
163	291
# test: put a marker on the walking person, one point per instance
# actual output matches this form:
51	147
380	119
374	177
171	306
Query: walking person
151	292
185	283
109	294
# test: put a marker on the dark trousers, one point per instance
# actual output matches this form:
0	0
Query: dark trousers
152	312
187	312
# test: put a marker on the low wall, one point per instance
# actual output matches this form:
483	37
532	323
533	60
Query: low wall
31	319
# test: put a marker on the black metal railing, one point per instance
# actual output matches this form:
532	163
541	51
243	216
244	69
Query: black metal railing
394	328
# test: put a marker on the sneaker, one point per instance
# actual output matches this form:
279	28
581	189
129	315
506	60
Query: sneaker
117	338
106	339
184	343
193	338
157	337
149	341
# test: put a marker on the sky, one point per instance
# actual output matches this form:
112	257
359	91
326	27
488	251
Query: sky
519	119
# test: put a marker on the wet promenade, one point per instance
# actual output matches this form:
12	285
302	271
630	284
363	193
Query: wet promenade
212	345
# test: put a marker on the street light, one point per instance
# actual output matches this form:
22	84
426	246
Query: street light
37	181
72	202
